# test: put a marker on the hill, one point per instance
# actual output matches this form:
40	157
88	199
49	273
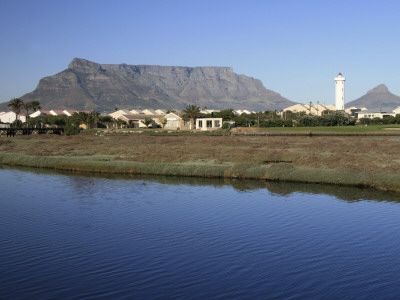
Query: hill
87	85
379	98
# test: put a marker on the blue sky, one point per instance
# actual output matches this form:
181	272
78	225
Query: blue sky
295	47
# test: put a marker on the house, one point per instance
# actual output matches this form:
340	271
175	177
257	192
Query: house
297	108
239	112
208	111
374	114
148	112
118	113
134	112
331	107
160	112
316	110
397	110
9	117
57	112
69	112
208	123
174	121
353	111
138	120
39	113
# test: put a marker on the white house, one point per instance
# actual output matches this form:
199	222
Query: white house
160	112
238	112
118	113
316	110
397	110
208	123
374	114
9	117
148	112
39	113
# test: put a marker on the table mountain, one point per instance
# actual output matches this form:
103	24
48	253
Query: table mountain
376	99
87	85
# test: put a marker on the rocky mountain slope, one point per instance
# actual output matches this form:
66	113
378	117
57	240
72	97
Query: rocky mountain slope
379	98
86	85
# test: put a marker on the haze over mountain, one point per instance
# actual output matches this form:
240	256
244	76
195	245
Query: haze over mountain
378	98
87	85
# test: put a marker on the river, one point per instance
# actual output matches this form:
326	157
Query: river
69	236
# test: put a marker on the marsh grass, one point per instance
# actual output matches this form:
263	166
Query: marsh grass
365	161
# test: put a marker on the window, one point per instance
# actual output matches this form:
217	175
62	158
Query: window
217	124
200	123
209	123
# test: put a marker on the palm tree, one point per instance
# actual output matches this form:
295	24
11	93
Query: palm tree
35	105
16	104
192	112
27	106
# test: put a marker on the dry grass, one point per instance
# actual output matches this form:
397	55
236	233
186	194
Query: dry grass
343	160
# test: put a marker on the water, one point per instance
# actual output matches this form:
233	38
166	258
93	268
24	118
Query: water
65	236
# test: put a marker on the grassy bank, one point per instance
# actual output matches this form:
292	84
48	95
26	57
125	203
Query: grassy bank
364	161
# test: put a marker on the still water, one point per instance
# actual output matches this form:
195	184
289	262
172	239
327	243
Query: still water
65	236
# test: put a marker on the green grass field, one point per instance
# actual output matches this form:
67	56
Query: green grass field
337	129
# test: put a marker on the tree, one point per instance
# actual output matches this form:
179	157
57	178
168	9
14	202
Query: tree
192	112
148	121
163	122
27	106
16	104
87	119
35	105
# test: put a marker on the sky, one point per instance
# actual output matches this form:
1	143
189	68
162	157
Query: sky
295	47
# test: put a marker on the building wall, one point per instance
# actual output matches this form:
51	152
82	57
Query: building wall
174	122
371	115
9	117
208	123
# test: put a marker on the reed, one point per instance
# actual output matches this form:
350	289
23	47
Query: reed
363	161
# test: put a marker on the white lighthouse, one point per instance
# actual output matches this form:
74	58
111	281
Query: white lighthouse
339	92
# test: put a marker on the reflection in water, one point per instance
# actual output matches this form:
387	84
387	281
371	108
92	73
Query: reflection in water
346	193
79	236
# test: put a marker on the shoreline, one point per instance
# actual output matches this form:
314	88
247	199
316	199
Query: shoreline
348	160
272	172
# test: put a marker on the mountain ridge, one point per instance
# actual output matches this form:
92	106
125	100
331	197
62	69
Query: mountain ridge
87	85
377	98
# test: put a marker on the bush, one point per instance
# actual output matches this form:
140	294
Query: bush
71	129
226	125
336	118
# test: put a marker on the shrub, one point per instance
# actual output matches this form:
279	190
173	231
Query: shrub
71	129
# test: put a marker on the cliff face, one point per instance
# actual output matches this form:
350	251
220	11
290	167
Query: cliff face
376	99
101	87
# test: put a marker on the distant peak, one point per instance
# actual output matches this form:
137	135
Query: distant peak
80	62
379	89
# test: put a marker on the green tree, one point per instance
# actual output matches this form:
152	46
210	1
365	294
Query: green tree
364	121
148	121
241	121
192	112
35	105
16	104
27	106
163	122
